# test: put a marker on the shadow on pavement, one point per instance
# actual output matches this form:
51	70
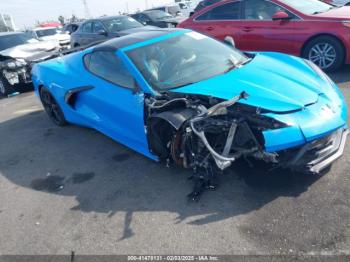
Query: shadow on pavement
105	177
342	76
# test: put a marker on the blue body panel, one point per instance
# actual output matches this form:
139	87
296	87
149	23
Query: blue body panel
114	111
284	85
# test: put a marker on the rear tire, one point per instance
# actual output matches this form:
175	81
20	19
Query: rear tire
326	52
52	108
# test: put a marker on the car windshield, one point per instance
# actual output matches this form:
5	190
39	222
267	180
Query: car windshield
185	59
158	15
8	41
46	32
120	23
310	7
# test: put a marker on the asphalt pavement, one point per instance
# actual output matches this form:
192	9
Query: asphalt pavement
73	189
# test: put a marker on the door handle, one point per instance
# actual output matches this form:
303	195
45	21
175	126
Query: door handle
247	29
210	28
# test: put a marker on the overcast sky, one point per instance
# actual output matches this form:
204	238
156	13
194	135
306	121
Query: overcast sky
27	12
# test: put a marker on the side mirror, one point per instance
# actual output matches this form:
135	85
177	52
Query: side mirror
102	32
280	15
230	41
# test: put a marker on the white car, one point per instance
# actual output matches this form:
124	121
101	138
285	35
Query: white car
338	2
52	33
18	53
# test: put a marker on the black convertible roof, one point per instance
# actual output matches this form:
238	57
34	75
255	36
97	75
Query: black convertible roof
134	38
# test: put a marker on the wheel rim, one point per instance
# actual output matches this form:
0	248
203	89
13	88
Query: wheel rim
2	87
51	107
323	54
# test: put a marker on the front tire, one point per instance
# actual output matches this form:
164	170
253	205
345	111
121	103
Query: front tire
52	108
326	52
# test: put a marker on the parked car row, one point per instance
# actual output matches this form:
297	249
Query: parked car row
312	29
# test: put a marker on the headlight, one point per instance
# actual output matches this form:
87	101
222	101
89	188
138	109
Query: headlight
319	71
346	23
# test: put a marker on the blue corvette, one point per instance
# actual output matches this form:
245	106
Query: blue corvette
178	96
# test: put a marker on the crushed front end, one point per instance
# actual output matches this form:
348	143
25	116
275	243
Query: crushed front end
207	135
15	71
315	156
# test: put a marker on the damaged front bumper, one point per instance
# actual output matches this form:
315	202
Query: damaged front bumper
317	155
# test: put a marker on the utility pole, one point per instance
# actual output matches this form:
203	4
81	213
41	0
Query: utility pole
86	10
127	7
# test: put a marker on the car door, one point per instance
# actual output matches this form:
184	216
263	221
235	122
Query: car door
261	33
111	103
85	36
221	21
99	31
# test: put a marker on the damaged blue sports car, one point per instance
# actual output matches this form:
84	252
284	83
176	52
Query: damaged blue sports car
181	97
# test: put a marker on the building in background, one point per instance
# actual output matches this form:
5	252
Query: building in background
6	23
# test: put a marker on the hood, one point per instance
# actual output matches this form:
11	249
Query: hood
137	30
275	82
341	13
31	49
57	37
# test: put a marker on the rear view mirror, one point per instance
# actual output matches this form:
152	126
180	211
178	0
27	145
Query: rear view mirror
230	41
280	15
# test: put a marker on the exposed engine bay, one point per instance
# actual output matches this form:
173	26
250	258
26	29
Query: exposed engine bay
206	134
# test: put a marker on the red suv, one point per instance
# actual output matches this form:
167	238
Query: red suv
308	28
